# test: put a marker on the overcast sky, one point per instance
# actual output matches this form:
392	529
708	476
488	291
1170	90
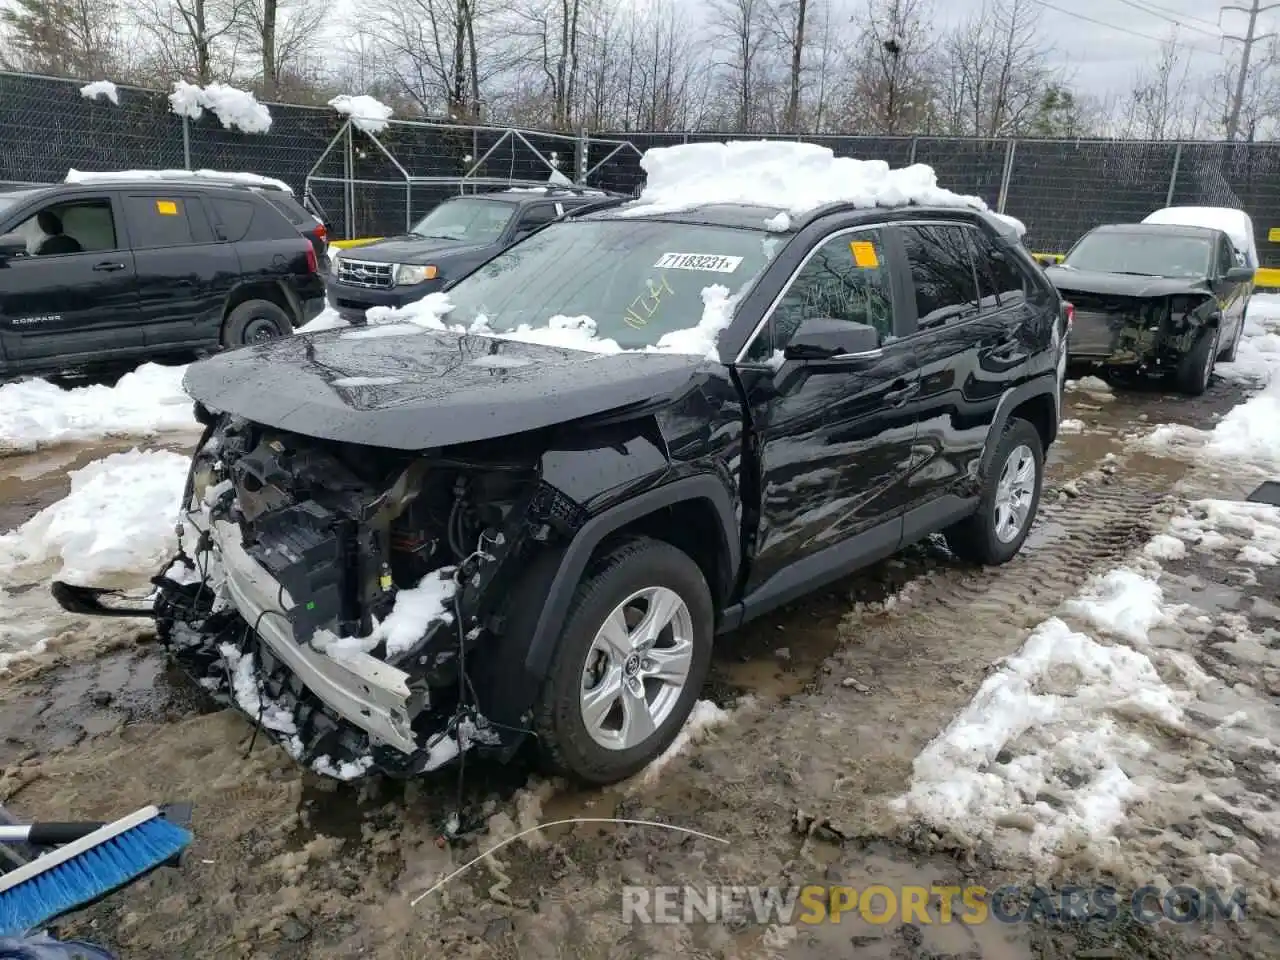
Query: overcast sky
1105	42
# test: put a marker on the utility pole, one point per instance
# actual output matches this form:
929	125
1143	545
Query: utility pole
1248	40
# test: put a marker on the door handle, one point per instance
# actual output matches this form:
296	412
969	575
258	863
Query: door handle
901	392
107	266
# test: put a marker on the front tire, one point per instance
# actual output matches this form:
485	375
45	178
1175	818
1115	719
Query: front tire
1196	369
1009	500
630	664
255	321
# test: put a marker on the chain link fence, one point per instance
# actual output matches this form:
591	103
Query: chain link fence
371	184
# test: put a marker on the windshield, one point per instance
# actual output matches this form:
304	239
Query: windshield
12	198
635	279
1144	253
480	221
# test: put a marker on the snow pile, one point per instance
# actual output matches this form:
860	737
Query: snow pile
575	333
252	179
101	88
1069	426
117	520
1043	726
704	717
327	319
1250	530
415	610
143	403
1123	603
245	689
798	177
368	114
235	109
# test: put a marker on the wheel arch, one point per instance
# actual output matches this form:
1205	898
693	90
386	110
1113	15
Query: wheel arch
273	291
1035	401
684	513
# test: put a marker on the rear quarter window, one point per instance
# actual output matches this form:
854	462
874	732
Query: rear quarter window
294	212
232	218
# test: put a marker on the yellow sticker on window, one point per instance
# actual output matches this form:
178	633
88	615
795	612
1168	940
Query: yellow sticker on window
1273	235
864	253
166	208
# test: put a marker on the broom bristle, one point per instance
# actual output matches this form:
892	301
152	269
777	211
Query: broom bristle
89	875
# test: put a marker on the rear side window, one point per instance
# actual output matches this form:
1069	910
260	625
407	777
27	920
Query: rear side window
941	273
157	220
536	216
1000	282
295	212
231	218
1227	256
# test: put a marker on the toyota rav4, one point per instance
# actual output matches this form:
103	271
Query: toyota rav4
528	505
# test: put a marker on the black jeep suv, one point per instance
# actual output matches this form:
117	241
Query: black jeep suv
449	242
1155	300
123	270
415	538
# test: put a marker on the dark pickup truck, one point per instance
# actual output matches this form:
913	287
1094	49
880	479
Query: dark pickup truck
449	242
122	270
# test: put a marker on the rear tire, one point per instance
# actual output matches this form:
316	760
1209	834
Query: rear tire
255	321
627	730
1009	500
1195	370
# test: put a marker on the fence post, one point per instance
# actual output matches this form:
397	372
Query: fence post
1009	152
1173	176
186	142
582	158
349	191
912	159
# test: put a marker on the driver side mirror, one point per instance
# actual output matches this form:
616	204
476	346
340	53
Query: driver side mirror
824	338
1239	274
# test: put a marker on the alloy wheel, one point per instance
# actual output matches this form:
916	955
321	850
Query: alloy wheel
1014	493
637	668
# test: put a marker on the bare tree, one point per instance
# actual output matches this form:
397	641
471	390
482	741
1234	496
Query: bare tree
742	26
787	23
430	49
547	35
197	40
283	35
888	81
1161	106
72	38
996	71
1260	94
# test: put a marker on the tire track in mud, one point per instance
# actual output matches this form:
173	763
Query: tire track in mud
288	866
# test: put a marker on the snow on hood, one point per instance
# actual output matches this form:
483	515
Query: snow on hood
367	113
798	177
252	179
101	88
235	109
576	333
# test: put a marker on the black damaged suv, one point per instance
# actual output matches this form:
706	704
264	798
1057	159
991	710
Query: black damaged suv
403	542
125	270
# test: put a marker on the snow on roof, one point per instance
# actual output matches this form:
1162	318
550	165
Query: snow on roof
101	88
797	177
251	179
366	113
1234	223
236	109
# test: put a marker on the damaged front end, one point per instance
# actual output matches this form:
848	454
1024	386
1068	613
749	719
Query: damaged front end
1151	334
334	592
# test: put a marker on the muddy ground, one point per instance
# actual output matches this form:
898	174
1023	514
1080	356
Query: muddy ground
845	689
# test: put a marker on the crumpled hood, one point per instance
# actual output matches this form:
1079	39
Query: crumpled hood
405	387
1121	284
408	249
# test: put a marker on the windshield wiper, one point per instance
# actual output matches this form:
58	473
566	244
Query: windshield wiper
435	236
1133	273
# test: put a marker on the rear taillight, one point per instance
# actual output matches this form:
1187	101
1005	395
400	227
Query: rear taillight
320	232
1071	315
313	265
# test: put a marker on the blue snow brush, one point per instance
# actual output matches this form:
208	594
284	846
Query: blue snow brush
87	869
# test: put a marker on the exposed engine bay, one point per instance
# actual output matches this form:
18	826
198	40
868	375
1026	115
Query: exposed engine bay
334	592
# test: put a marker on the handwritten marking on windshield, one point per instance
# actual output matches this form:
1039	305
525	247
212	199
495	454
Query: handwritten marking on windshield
649	304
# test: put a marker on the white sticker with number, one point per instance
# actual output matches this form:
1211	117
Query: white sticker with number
713	263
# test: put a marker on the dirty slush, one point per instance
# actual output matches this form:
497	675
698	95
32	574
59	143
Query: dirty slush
845	690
